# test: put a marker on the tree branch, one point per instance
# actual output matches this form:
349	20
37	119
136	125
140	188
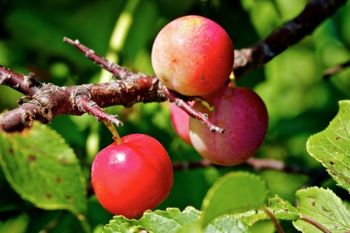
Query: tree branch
25	84
118	71
315	224
122	73
45	101
89	106
273	220
187	165
174	98
290	33
255	163
327	74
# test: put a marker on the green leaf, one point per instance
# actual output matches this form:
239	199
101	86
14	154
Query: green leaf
331	147
171	220
280	208
15	225
324	207
233	193
119	224
43	169
226	224
194	227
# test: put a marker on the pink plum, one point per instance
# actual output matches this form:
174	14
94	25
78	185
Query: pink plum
243	115
193	56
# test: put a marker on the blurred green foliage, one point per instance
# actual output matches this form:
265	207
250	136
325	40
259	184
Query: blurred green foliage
300	102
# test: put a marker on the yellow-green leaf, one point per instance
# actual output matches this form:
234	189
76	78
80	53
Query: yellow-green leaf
43	169
331	147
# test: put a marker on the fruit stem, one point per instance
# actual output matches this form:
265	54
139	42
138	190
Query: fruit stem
232	80
113	130
232	76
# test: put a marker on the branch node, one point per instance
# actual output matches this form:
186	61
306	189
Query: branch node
215	129
27	118
24	99
31	80
4	77
44	108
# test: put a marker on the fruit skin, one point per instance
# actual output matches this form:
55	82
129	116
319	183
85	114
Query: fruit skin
243	115
180	121
193	55
133	176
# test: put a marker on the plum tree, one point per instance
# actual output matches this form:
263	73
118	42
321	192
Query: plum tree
193	55
40	172
243	114
133	176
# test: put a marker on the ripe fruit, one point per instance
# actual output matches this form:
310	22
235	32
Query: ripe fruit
133	176
243	115
180	121
193	55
